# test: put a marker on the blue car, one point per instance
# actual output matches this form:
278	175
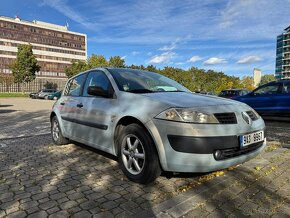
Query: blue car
271	99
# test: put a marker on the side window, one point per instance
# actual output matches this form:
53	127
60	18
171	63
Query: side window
97	78
268	90
73	87
286	88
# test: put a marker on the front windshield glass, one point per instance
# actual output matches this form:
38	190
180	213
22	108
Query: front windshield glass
138	81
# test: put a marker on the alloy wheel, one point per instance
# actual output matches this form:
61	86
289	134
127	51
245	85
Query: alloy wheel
133	154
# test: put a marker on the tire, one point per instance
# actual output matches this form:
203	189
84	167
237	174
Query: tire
56	133
139	164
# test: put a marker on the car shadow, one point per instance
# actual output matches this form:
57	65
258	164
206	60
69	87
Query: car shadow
7	111
6	105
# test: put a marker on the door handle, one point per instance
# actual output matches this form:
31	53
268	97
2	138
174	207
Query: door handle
80	105
62	103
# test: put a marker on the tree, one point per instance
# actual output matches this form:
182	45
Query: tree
247	83
267	78
7	80
97	61
116	61
75	68
25	66
50	85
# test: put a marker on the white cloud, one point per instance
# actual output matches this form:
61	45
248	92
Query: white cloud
251	19
165	57
135	53
173	45
64	8
170	47
214	60
194	59
179	63
249	59
123	57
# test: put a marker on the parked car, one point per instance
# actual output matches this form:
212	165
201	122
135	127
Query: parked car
271	99
231	93
34	94
45	92
125	113
54	95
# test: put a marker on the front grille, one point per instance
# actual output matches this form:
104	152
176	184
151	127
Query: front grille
252	115
234	152
226	118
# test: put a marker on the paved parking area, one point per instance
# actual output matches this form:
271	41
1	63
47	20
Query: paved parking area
39	179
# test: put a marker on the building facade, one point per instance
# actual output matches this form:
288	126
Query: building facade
257	75
283	55
54	46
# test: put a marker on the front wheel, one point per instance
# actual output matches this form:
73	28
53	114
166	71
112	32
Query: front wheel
56	133
138	157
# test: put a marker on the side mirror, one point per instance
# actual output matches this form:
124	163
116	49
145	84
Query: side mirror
99	91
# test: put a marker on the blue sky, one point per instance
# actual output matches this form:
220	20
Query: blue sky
232	36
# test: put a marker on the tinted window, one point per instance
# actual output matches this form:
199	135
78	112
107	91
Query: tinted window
97	78
269	90
286	87
73	87
229	93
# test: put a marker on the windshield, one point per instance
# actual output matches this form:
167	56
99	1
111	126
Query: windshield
138	81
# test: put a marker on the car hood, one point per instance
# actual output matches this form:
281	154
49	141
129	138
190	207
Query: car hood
185	99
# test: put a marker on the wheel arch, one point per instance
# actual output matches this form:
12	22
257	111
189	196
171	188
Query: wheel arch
52	114
124	121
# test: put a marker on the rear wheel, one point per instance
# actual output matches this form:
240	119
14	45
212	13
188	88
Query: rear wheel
56	133
138	157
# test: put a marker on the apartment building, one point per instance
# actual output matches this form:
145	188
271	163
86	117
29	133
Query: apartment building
283	55
54	46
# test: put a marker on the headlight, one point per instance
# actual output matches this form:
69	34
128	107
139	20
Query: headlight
187	116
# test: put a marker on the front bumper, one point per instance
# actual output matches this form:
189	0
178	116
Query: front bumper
184	147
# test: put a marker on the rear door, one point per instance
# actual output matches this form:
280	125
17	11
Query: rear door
70	107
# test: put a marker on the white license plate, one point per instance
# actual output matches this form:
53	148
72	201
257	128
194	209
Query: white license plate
251	138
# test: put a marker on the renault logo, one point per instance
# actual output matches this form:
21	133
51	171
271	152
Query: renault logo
247	118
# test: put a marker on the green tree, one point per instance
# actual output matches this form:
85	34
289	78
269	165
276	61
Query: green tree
75	68
25	66
6	80
247	82
116	61
97	61
50	85
267	78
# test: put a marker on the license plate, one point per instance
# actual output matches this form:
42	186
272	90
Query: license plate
251	138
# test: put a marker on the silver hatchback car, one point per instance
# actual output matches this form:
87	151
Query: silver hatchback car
153	123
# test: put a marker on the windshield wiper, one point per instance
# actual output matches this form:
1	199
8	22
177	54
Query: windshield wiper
140	91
